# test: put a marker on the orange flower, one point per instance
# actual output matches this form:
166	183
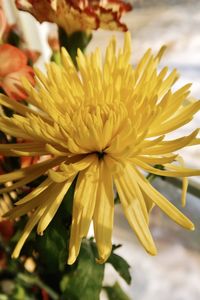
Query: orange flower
14	66
53	42
78	15
27	161
32	55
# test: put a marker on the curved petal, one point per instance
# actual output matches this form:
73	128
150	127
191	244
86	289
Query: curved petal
12	59
104	213
24	172
54	201
169	171
27	230
28	174
162	202
133	210
12	83
83	207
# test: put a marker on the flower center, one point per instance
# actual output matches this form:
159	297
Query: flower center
100	154
93	128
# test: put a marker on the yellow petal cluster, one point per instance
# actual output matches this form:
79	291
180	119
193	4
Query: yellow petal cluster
103	125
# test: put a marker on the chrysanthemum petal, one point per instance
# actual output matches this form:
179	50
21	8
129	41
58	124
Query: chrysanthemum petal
170	146
184	182
175	100
23	149
18	107
135	216
157	159
27	230
54	200
162	202
41	167
80	165
178	120
27	207
128	186
170	170
104	213
83	207
36	192
52	149
8	127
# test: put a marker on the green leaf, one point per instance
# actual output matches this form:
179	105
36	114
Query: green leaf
85	282
121	266
115	292
19	293
52	247
31	280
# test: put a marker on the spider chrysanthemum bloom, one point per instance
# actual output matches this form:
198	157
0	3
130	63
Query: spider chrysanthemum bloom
78	15
104	126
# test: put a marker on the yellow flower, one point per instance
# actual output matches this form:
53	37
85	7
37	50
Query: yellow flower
104	125
78	15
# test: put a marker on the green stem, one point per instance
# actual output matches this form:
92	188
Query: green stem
56	57
150	177
34	280
74	41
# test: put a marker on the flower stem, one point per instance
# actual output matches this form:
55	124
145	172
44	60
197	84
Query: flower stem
34	280
74	41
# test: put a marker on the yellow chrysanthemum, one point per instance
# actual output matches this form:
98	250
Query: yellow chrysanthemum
104	125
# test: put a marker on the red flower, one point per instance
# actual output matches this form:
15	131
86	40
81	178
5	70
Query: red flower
45	296
13	67
6	229
3	260
78	15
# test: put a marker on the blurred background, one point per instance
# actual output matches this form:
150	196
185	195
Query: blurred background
175	272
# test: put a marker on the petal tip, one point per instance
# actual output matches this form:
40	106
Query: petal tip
71	260
15	254
152	250
192	227
101	260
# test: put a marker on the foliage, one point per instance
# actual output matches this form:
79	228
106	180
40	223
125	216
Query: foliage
115	292
81	281
121	266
